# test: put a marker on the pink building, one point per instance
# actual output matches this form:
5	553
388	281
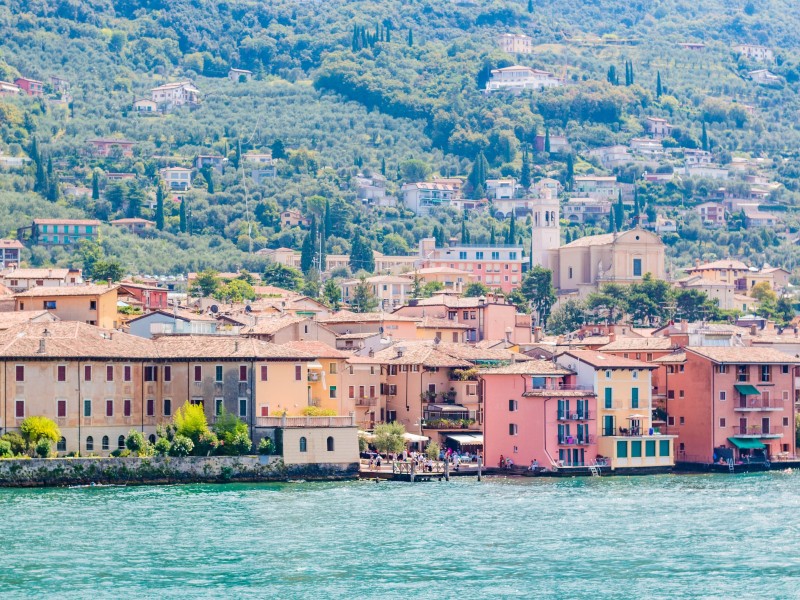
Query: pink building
498	266
535	411
734	403
32	87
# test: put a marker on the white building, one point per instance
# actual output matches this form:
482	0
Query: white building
422	196
764	77
753	52
518	78
515	43
500	189
612	156
181	93
390	290
587	210
177	178
707	171
239	75
597	186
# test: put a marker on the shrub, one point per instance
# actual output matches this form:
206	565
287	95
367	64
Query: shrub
190	421
18	445
242	443
135	441
432	451
208	444
266	446
228	428
316	411
124	452
181	446
43	447
388	437
162	446
34	429
5	449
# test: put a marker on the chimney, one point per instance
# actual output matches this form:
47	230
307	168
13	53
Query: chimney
795	332
41	346
400	350
612	336
537	334
696	262
754	330
108	282
236	346
684	325
770	326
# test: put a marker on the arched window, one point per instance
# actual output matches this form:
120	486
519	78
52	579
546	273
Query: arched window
61	446
121	442
152	439
104	445
90	443
303	444
330	443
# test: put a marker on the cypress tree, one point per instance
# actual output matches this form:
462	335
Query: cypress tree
633	79
658	85
530	6
183	223
547	140
704	137
492	237
525	175
612	222
478	175
464	230
383	166
440	240
570	171
160	208
323	249
208	174
512	229
619	213
435	236
388	34
308	249
410	37
95	186
328	222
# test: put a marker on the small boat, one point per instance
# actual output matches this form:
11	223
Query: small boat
96	485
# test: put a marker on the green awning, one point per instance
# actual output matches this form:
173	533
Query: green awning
746	443
745	389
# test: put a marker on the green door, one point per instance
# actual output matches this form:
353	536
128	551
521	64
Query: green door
608	425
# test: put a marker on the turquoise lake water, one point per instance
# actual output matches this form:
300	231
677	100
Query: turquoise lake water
639	537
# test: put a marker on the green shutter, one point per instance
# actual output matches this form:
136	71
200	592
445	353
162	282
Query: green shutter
663	449
622	449
219	373
635	398
636	449
650	448
608	397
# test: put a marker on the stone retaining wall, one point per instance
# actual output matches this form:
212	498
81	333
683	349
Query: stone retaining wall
40	472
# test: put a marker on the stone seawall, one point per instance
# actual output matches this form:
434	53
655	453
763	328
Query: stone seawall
42	472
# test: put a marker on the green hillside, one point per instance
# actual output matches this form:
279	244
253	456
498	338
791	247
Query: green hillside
392	87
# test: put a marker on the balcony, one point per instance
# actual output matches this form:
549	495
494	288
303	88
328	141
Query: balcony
577	415
757	431
313	376
574	440
306	421
366	401
758	404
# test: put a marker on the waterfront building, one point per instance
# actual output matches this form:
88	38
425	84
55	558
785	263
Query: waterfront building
731	402
626	437
535	410
92	304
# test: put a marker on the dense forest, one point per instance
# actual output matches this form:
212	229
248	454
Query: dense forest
395	88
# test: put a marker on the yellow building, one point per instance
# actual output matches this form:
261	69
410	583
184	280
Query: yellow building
92	304
325	386
323	441
623	388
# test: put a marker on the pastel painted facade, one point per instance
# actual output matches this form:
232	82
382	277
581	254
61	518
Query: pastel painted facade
177	178
112	147
391	291
171	322
362	384
63	232
171	95
453	280
91	304
19	280
498	266
421	197
393	325
32	87
136	226
515	43
145	106
732	402
10	253
517	78
316	440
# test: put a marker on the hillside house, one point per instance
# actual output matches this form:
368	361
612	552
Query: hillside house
92	304
695	156
9	89
177	178
111	147
755	52
518	78
515	43
63	232
558	143
587	210
209	160
173	95
10	253
657	127
755	218
145	106
134	225
765	77
694	46
19	280
596	186
293	218
32	87
712	213
422	196
611	156
646	146
240	75
708	171
372	190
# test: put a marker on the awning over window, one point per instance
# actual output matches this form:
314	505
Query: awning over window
745	389
467	439
746	443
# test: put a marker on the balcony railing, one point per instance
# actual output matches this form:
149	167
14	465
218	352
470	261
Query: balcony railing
577	415
755	403
575	440
371	401
564	386
757	431
305	421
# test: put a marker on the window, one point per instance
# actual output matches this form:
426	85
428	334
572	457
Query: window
167	373
61	409
635	373
608	374
242	407
151	407
92	304
121	442
681	368
126	373
87	407
351	391
569	271
742	373
765	373
479	256
150	373
635	398
151	438
19	373
303	444
89	443
49	304
682	421
242	372
649	357
264	373
784	369
723	396
722	369
663	448
109	408
298	373
670	394
19	409
265	411
61	371
167	407
670	420
512	256
104	443
393	390
198	373
636	449
723	423
329	443
465	315
650	448
495	256
218	373
785	421
372	391
61	446
126	407
218	406
622	449
680	394
637	267
87	372
462	256
608	398
512	405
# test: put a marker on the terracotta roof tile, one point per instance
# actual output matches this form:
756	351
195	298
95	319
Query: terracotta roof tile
743	355
638	343
529	367
601	360
69	290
